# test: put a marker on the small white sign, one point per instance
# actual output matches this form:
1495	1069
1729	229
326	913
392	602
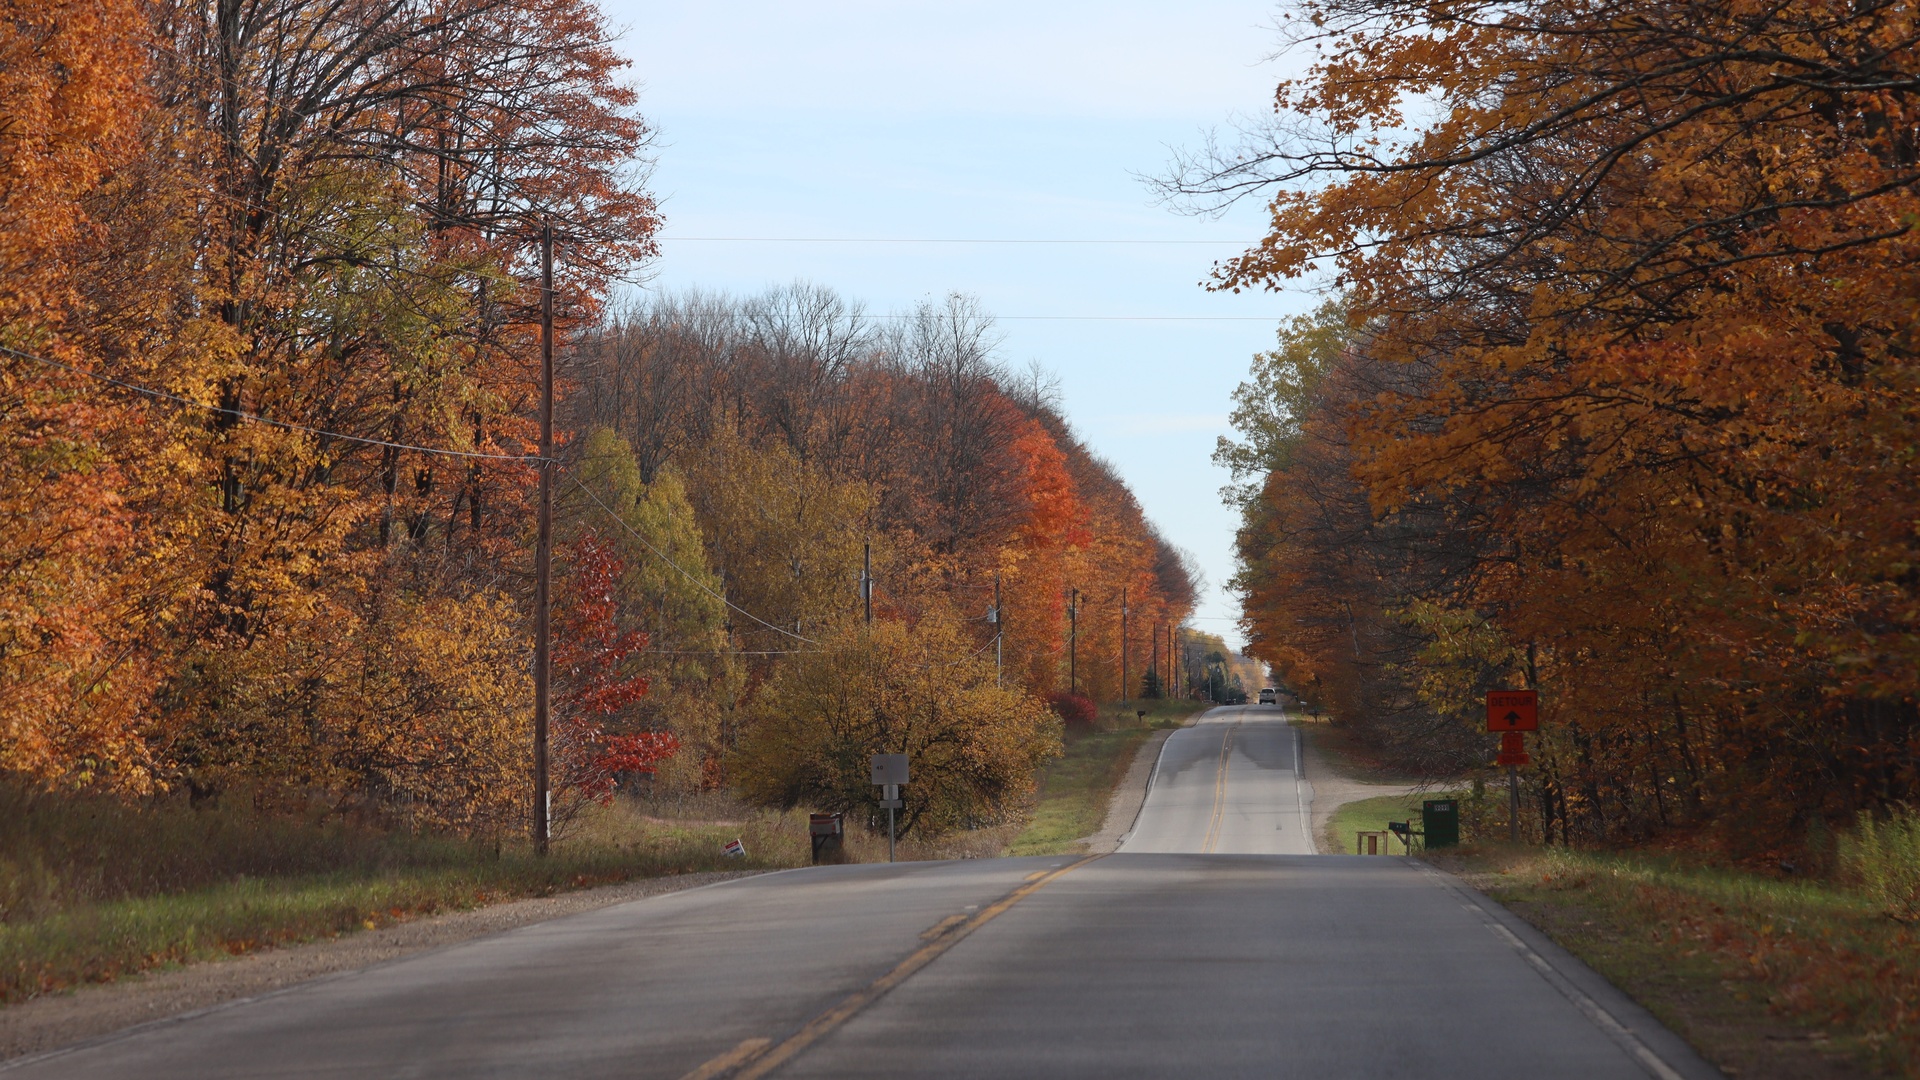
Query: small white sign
889	768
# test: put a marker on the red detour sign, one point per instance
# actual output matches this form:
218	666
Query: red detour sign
1513	750
1513	710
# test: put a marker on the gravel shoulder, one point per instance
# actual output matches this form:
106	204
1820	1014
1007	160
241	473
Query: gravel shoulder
48	1023
1124	808
1334	788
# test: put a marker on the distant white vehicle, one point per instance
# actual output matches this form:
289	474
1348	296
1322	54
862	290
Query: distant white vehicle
1269	696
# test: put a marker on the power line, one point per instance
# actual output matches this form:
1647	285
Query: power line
662	556
1102	318
522	458
732	652
935	240
162	395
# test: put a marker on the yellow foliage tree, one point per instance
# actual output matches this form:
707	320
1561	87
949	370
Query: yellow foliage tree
922	690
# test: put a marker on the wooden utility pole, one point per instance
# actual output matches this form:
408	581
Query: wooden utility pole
543	559
866	579
1073	639
1126	688
1187	675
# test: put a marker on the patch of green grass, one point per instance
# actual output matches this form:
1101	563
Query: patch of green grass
1372	815
1074	795
1078	786
1161	712
222	882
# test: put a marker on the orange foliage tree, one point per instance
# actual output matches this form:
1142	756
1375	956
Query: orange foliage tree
89	579
1632	289
326	229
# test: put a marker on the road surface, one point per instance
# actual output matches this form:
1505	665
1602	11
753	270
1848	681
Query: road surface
1210	945
1229	785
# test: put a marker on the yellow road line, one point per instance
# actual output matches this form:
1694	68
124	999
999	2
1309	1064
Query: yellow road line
1219	794
756	1065
943	926
732	1059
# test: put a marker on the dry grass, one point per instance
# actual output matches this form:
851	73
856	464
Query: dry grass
1883	859
1768	977
96	889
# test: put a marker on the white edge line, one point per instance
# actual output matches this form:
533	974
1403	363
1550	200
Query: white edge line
1620	1033
1152	775
1299	797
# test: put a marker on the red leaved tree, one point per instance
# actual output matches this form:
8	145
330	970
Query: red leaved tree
595	683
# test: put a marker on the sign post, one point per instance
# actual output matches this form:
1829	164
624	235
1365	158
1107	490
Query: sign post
889	771
1512	713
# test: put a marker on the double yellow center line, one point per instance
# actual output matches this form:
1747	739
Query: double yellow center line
1219	794
755	1058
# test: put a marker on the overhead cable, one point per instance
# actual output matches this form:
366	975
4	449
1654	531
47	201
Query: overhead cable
663	557
255	418
931	240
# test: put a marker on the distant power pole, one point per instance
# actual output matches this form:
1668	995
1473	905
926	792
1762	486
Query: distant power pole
1153	664
866	579
543	560
1187	675
999	629
1126	688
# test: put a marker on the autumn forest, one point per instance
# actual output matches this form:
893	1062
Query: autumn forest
1613	396
269	384
411	563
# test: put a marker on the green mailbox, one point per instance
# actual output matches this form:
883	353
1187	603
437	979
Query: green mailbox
1440	819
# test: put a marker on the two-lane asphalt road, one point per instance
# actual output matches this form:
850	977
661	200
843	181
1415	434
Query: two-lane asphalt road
1229	785
1204	948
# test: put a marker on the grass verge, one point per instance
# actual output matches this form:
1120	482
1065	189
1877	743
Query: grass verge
71	923
1076	789
1767	978
1372	815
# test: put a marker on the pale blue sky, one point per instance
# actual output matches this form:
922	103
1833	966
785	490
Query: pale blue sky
984	120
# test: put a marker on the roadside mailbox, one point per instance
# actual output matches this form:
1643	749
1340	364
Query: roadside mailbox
1440	820
1403	830
827	831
